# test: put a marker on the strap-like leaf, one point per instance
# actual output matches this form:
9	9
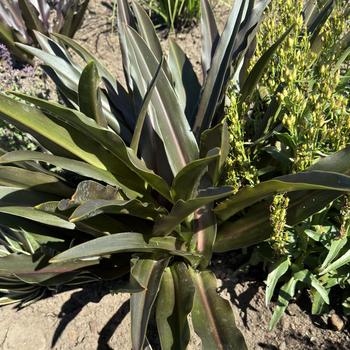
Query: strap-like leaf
143	111
129	168
132	207
174	303
148	273
51	133
125	242
146	30
182	209
212	316
25	268
216	138
218	71
35	180
185	183
178	140
187	86
311	180
37	215
76	166
210	36
90	95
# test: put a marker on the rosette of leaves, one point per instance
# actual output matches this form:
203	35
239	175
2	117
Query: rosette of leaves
19	18
142	196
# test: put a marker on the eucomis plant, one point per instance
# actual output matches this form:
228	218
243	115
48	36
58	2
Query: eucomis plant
19	18
139	194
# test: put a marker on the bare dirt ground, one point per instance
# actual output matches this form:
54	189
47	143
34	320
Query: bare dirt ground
90	318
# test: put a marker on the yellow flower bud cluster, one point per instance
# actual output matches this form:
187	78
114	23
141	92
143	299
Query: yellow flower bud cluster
278	217
239	169
345	215
313	112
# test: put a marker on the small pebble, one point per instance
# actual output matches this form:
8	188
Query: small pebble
336	322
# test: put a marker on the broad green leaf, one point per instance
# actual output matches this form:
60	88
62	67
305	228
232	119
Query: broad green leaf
37	215
335	248
216	137
212	316
204	233
174	303
186	182
308	278
76	166
182	209
310	180
318	304
148	273
285	295
23	196
146	30
35	180
187	86
125	242
210	35
259	68
129	168
278	269
179	142
67	73
37	271
132	207
51	132
90	96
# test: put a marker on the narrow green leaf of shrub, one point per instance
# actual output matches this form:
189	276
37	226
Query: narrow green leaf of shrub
343	260
212	316
285	295
335	248
279	268
308	278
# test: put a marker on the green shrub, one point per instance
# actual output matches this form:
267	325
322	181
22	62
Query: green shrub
19	18
175	13
298	114
145	200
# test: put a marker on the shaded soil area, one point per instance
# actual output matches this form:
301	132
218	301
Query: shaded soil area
92	318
